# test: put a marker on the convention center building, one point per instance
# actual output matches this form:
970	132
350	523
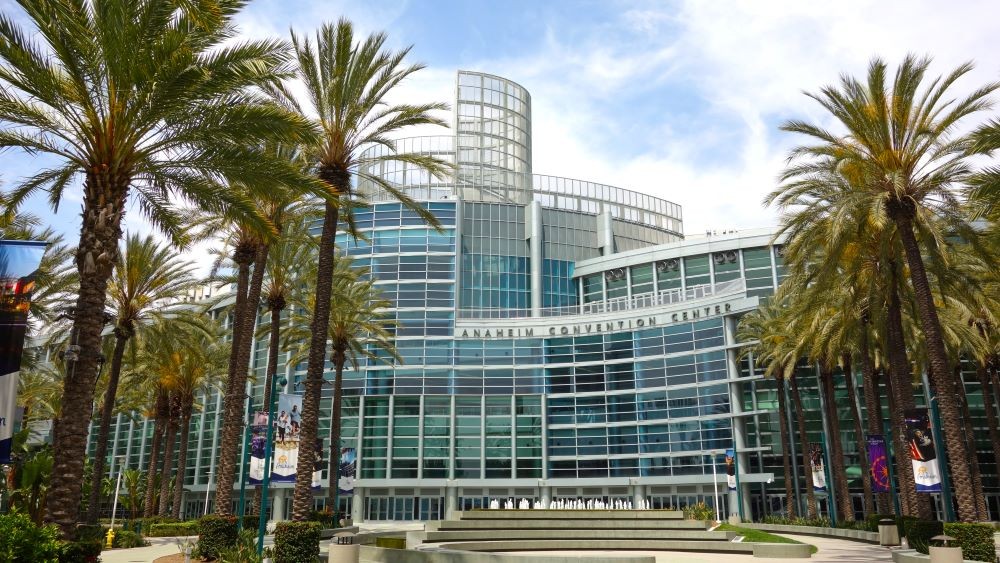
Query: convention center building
560	339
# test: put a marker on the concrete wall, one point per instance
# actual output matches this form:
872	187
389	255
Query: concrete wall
855	535
383	555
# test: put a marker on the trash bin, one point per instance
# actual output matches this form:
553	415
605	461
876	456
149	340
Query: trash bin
941	550
888	532
344	549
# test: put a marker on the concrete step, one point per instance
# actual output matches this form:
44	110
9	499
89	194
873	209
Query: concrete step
488	514
565	524
577	534
601	544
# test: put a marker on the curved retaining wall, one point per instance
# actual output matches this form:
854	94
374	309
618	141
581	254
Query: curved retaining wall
383	555
854	535
912	556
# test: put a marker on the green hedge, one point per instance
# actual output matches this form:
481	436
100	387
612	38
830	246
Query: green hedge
976	540
126	539
86	551
173	529
296	542
216	534
22	540
920	532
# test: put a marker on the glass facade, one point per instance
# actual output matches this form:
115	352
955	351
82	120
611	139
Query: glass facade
558	338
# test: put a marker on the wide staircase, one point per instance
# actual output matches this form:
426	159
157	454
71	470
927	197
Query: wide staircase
573	530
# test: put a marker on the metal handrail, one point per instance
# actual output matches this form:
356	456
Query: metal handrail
664	297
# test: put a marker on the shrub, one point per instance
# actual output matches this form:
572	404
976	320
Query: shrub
86	551
245	550
327	519
920	532
126	539
698	511
89	532
798	521
173	529
297	542
22	540
215	535
976	540
251	521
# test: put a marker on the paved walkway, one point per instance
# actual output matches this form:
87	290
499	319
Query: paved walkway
830	551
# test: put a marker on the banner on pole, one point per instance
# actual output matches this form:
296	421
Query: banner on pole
285	449
926	471
731	469
818	469
878	463
347	471
19	262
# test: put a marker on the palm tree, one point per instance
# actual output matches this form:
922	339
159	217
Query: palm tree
250	251
285	278
149	276
358	329
904	164
763	329
200	365
347	85
147	101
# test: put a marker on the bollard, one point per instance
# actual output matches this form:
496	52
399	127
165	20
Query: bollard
888	532
945	553
344	549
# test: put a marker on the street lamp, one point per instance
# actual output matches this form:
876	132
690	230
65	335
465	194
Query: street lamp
266	481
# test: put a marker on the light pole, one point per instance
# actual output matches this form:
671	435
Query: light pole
208	489
266	481
715	486
246	465
118	486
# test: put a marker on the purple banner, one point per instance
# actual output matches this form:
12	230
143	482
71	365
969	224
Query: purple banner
878	463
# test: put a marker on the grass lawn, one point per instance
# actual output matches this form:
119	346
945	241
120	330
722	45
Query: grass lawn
759	536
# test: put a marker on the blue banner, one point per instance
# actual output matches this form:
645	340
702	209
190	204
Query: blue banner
731	469
19	262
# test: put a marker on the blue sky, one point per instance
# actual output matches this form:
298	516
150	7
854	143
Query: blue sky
677	99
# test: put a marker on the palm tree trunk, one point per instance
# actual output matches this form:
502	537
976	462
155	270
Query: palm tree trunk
800	419
790	511
859	434
837	470
873	408
902	400
992	425
302	498
940	376
273	349
182	459
154	452
168	465
104	198
333	493
101	447
969	430
234	415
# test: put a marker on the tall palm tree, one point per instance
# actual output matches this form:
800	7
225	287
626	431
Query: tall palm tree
144	283
358	329
200	362
901	156
347	86
286	277
147	101
763	329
